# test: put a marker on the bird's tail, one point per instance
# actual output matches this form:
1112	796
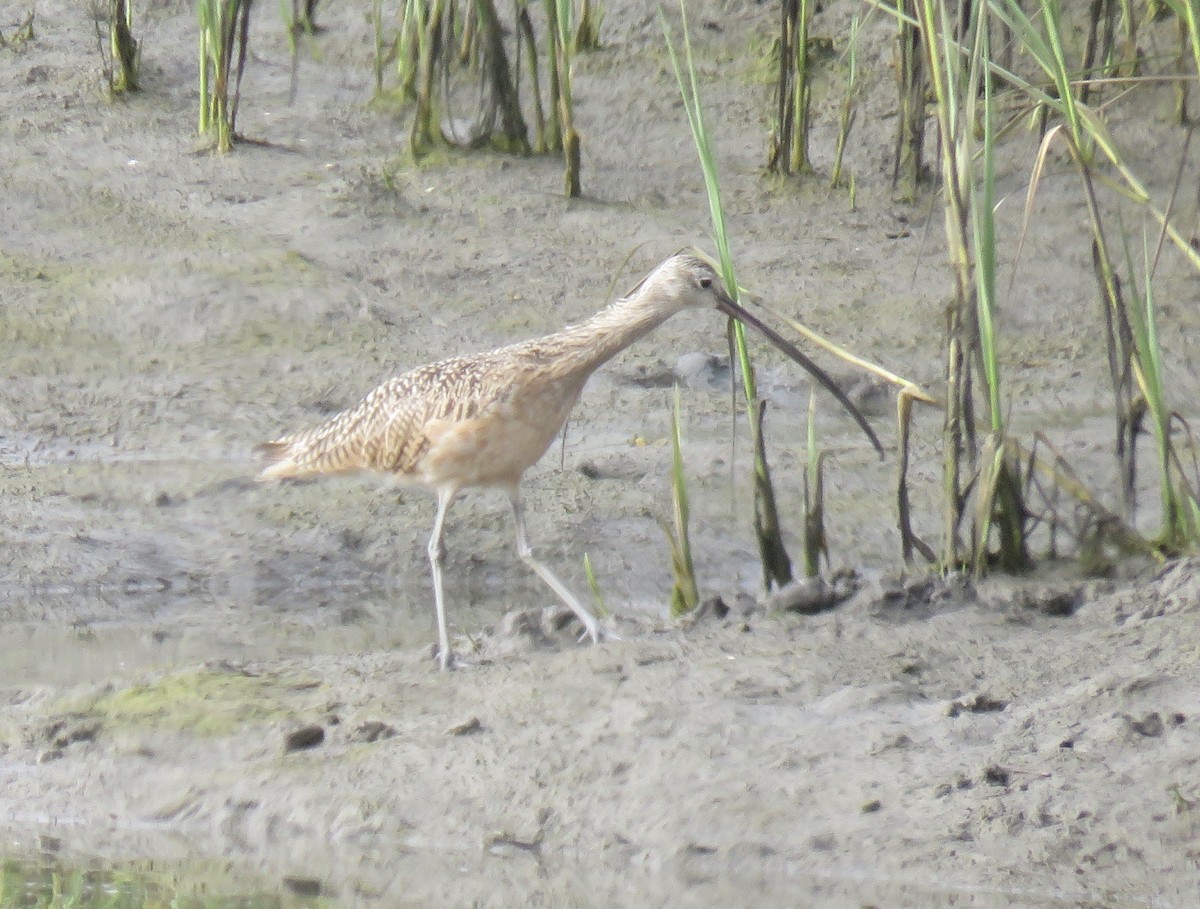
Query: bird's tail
278	458
326	449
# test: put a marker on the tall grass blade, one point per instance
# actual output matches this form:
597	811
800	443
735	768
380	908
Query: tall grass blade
1188	14
816	543
908	162
587	31
590	573
1179	502
684	595
849	109
788	152
125	49
564	48
224	44
776	564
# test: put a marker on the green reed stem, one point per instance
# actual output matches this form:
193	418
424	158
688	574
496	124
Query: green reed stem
776	565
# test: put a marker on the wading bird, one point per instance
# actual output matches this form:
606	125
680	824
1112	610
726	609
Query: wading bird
483	420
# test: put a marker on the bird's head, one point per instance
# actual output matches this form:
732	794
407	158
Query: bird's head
690	281
685	281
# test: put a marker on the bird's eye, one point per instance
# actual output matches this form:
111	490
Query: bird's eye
706	282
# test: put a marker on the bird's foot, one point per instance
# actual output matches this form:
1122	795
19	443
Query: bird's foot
447	659
597	634
457	662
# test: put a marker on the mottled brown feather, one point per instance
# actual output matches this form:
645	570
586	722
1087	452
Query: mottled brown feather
393	429
484	419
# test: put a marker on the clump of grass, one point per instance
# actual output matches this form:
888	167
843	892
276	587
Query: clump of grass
426	56
987	473
428	71
224	40
958	81
1134	360
788	149
983	463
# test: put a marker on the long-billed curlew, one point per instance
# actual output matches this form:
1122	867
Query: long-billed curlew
484	420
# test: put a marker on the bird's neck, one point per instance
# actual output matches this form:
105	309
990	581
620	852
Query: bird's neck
585	347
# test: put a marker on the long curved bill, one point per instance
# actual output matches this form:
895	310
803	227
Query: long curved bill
731	309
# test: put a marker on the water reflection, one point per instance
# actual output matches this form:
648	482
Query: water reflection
68	635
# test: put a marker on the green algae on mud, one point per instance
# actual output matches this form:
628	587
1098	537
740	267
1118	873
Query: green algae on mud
50	882
203	702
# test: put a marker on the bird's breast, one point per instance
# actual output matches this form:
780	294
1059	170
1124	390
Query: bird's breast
497	445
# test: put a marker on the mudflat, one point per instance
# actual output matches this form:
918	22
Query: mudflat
196	665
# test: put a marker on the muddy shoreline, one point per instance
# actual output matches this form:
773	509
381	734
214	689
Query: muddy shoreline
970	746
166	624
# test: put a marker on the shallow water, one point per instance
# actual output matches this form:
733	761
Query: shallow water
118	631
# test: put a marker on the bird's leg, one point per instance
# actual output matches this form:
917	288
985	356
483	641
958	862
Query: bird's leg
437	552
592	628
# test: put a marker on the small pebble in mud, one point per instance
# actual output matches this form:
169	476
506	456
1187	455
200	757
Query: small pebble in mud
1061	602
505	844
66	732
1151	725
713	607
703	370
374	731
302	886
997	775
468	726
812	595
304	737
979	703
